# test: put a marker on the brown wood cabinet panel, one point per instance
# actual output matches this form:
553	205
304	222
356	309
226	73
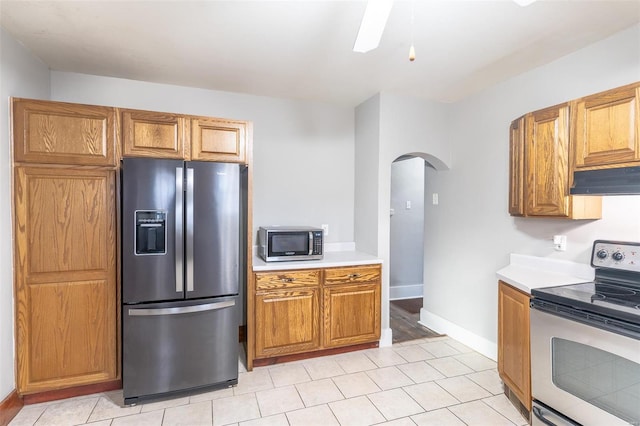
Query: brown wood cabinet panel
516	167
351	314
287	279
352	275
65	262
291	319
547	159
607	128
218	140
287	321
154	134
63	133
514	359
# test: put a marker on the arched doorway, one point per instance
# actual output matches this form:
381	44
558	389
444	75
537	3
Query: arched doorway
406	246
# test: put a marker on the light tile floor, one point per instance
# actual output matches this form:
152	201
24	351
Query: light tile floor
432	381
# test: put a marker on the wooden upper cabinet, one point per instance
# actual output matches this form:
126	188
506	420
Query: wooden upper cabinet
539	172
219	140
154	134
547	162
516	167
63	133
65	287
607	128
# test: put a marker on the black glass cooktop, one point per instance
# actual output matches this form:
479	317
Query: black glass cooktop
615	300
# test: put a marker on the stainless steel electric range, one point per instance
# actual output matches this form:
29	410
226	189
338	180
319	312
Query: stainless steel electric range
585	343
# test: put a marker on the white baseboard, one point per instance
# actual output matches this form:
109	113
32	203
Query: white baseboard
411	291
386	338
443	326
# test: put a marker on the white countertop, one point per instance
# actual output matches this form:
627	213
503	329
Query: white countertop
331	259
529	272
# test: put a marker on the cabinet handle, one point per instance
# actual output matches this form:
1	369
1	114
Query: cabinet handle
354	276
287	280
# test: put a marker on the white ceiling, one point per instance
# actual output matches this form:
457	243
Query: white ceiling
303	49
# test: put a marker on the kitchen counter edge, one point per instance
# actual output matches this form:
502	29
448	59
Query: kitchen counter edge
528	272
330	260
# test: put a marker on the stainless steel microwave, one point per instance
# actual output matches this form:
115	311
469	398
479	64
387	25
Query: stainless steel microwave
284	243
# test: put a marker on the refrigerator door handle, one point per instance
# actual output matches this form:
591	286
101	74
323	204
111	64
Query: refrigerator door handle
189	219
134	312
179	230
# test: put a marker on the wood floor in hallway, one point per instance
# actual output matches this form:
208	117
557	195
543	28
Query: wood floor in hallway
404	315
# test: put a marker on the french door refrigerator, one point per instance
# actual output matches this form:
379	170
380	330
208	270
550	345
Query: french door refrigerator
181	231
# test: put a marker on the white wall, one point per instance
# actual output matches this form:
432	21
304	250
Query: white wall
388	126
303	151
471	233
367	146
407	229
21	75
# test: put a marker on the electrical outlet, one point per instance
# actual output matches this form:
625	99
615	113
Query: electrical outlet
560	242
434	198
325	227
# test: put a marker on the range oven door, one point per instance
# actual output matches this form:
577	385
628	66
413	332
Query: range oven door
586	373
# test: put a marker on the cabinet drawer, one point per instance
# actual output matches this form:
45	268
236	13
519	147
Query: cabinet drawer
358	274
287	279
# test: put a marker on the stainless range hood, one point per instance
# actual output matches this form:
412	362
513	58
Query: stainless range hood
620	181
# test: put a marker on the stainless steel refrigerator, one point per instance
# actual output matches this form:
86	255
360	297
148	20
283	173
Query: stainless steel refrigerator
182	224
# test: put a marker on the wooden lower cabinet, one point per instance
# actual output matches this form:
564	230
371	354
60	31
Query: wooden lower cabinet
288	321
514	356
351	314
310	310
65	288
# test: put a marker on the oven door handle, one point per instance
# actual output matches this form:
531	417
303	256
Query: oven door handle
540	415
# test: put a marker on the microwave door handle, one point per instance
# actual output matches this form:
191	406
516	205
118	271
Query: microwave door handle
310	243
179	229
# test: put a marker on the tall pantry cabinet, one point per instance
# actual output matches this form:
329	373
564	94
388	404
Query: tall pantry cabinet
65	245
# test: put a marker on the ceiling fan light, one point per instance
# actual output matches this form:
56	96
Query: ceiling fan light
373	23
524	3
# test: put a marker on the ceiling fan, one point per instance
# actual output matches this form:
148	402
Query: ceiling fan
375	18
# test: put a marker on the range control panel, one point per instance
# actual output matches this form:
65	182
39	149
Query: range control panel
616	255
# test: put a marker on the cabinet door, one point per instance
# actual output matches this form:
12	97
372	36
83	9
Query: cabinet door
547	155
63	133
287	321
218	140
351	314
514	359
65	263
154	134
516	167
607	128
